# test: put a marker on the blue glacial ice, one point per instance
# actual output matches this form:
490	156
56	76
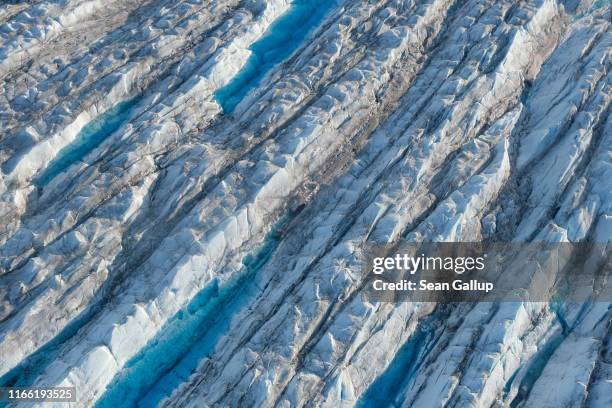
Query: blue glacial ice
282	39
91	136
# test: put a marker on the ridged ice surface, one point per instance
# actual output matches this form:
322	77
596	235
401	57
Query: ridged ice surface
155	249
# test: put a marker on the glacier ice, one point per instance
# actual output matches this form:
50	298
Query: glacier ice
184	226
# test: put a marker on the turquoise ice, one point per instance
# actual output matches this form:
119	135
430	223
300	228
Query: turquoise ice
280	41
190	336
91	136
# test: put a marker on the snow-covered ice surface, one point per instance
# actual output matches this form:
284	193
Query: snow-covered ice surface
155	249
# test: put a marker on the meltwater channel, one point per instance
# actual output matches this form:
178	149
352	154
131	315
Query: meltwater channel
400	373
191	335
283	37
91	136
